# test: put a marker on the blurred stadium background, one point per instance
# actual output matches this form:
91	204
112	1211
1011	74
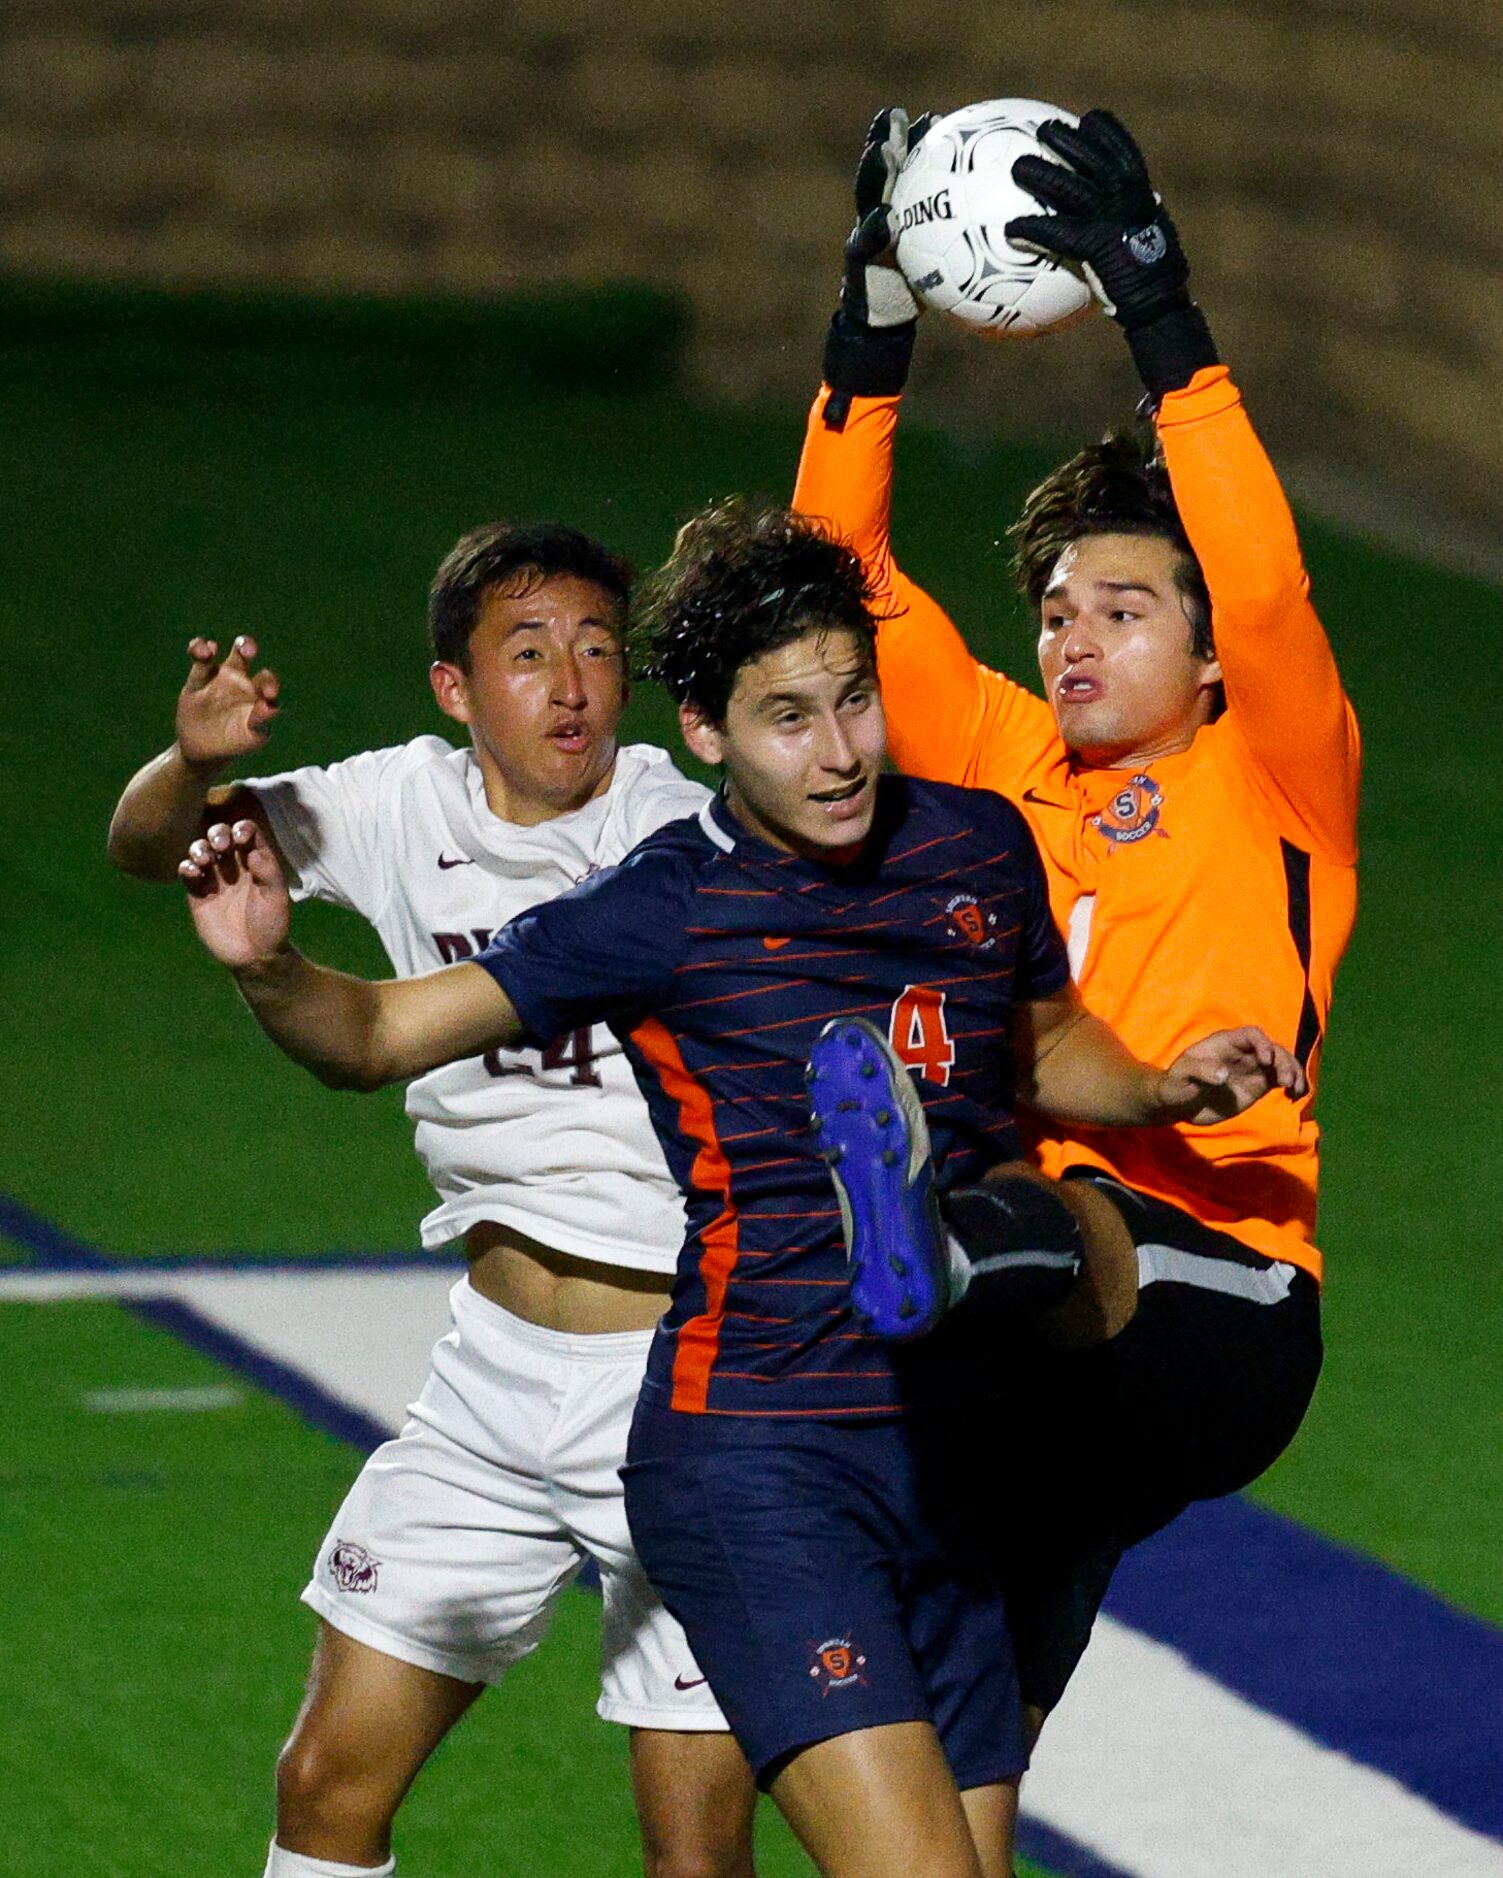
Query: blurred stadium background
290	296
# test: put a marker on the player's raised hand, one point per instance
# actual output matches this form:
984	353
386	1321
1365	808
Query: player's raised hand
225	709
237	894
1106	215
873	292
1226	1073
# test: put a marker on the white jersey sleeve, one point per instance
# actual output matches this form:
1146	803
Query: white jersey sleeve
555	1144
333	824
656	793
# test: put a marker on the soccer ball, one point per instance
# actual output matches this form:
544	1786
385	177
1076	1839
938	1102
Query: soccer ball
953	198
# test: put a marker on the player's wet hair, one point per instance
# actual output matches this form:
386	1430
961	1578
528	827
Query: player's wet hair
518	557
744	579
1116	487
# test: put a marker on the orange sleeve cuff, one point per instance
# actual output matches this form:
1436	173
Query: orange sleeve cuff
1208	394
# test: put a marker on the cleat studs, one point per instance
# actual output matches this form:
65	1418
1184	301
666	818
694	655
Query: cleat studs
816	1122
882	1117
899	1266
845	1108
868	1069
907	1308
889	1157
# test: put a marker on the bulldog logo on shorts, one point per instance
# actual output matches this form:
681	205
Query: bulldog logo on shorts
836	1663
353	1567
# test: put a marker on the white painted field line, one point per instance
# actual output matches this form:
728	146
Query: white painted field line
172	1401
1167	1772
24	1286
365	1337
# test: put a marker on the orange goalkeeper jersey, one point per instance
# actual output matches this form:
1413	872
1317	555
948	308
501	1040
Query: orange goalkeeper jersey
1199	891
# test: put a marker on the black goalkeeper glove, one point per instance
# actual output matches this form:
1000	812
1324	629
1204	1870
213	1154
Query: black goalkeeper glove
1108	218
870	341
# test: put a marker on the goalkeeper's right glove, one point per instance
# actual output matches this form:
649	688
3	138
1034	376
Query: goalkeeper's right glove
870	342
1108	218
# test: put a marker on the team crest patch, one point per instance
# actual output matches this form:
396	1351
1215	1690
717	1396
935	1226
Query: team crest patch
969	920
836	1663
353	1567
1132	814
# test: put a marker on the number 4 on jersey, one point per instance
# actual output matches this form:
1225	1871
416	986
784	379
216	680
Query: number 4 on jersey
919	1034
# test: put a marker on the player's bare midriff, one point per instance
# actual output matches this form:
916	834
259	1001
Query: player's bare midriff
558	1291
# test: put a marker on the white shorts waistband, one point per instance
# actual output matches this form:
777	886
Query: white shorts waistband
606	1346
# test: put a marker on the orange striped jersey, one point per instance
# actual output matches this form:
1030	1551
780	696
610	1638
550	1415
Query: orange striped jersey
717	959
1200	891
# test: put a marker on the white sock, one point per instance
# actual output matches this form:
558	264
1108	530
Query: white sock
285	1864
959	1266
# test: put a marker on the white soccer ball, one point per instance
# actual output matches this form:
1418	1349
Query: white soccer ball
952	200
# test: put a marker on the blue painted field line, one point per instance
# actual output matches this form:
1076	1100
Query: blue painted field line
1352	1654
1046	1845
49	1246
52	1249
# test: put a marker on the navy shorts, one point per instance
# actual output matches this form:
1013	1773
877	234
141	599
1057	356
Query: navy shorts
815	1593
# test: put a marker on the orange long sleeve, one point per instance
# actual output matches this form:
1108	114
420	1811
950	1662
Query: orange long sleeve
1284	693
948	716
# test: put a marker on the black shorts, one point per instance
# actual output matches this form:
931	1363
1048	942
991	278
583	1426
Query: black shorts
1096	1449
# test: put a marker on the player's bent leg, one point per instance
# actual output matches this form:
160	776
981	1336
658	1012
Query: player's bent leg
1200	1393
367	1725
1048	1259
695	1800
1053	1258
882	1803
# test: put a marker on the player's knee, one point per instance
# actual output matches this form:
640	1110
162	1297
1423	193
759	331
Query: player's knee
318	1780
706	1844
698	1859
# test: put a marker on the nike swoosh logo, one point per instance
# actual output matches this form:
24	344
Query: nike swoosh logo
1044	802
776	945
445	863
687	1682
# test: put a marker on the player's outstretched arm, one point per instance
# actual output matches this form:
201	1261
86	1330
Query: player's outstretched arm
941	702
224	711
351	1032
1075	1068
1282	685
1284	693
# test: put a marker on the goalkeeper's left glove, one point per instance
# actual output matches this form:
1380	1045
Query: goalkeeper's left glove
870	341
1108	217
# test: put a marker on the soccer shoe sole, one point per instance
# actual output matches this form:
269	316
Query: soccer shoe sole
869	1123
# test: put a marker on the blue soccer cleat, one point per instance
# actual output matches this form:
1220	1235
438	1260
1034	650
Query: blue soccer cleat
870	1127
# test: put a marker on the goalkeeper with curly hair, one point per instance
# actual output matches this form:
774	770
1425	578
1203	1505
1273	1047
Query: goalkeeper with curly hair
1191	779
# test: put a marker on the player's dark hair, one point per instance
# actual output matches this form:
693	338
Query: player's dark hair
744	579
1116	487
513	555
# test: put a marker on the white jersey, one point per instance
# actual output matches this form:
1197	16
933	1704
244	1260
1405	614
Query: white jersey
556	1144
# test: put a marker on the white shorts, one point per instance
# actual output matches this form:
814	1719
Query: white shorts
458	1536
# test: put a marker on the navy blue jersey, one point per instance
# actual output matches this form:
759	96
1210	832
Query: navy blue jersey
717	959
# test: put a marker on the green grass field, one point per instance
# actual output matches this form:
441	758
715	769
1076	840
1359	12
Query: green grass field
155	1605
